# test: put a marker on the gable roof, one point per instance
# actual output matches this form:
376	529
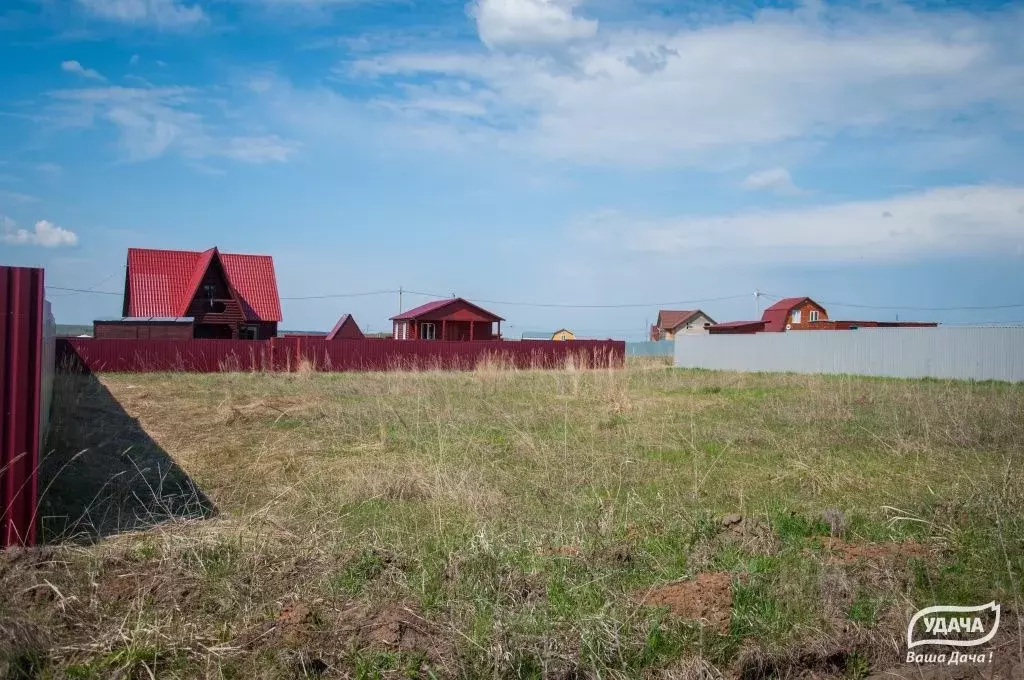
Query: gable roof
436	305
163	282
669	319
776	316
345	318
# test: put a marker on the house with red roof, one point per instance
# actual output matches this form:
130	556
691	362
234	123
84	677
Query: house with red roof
804	314
452	319
208	294
673	322
788	313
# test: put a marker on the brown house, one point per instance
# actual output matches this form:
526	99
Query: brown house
790	313
212	294
804	314
673	322
453	319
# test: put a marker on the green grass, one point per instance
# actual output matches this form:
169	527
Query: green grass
512	519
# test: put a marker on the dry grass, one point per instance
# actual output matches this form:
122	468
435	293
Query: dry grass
500	522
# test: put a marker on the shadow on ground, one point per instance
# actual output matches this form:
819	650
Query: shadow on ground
102	474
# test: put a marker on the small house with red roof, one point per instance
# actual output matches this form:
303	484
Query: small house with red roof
804	314
208	294
452	319
673	322
788	313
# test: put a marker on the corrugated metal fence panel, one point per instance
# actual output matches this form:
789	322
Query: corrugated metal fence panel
21	358
661	348
291	353
49	353
982	353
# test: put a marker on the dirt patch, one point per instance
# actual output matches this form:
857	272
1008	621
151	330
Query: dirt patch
564	551
748	533
395	627
313	626
707	598
839	551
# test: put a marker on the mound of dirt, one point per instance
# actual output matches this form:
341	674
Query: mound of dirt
747	533
707	598
839	551
393	627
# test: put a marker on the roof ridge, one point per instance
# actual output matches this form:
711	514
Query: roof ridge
198	271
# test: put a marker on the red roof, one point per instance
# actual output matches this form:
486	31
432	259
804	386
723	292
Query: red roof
163	282
777	316
737	324
422	310
670	318
353	332
737	327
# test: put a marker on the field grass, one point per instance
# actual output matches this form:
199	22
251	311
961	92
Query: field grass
644	522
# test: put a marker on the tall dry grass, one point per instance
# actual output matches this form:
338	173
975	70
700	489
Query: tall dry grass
516	513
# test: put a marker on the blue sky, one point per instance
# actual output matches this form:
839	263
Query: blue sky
577	152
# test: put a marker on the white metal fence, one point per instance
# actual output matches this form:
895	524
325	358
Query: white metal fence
660	348
975	353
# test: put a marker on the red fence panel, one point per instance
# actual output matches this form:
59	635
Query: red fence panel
23	395
317	353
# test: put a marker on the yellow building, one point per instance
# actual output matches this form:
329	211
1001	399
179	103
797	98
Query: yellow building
563	334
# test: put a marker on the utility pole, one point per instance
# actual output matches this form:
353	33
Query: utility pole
399	299
757	302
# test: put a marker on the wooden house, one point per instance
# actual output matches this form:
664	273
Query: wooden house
452	319
217	295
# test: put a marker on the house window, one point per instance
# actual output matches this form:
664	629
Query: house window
427	331
814	315
248	332
795	317
209	290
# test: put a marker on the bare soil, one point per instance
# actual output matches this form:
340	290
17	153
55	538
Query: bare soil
707	598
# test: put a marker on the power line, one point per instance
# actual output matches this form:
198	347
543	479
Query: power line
912	309
342	295
87	290
574	306
554	305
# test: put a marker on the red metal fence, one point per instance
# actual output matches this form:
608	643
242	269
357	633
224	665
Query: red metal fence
26	360
318	353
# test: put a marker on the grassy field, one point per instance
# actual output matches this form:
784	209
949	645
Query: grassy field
645	522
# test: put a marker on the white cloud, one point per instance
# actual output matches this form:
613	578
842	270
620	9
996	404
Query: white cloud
777	180
45	234
942	221
153	121
168	14
134	60
692	95
73	66
518	22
